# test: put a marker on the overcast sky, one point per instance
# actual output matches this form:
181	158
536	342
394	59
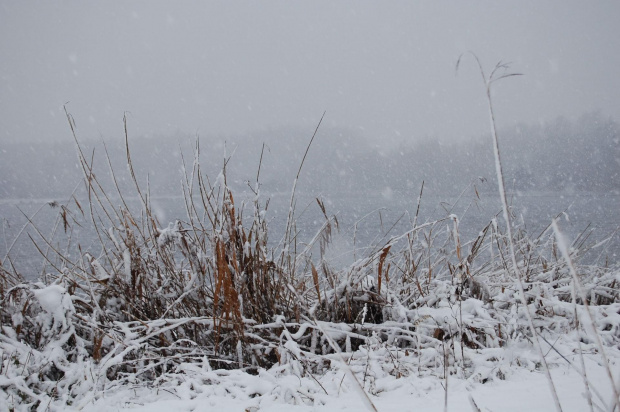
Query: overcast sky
383	68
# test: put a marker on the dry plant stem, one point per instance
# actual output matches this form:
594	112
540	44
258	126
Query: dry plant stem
502	192
473	404
289	220
488	82
583	364
417	211
130	163
348	371
8	252
445	373
90	178
357	222
49	245
577	285
57	222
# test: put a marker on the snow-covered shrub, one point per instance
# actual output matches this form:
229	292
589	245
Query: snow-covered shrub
45	357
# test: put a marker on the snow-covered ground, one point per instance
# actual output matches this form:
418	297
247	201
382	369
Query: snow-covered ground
522	390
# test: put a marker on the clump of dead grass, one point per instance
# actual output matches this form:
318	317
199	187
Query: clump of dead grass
211	287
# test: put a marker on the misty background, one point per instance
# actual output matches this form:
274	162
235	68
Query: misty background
386	70
558	157
237	75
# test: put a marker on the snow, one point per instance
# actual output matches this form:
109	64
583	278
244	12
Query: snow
234	390
448	336
55	301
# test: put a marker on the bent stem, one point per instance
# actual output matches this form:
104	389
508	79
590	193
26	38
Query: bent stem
562	245
488	82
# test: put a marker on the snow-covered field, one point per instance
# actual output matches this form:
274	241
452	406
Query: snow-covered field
522	390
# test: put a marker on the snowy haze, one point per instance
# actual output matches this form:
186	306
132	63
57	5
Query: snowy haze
116	301
384	70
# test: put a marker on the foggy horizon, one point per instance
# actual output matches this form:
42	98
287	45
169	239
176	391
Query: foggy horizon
384	71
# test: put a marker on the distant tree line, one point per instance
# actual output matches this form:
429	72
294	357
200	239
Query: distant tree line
558	156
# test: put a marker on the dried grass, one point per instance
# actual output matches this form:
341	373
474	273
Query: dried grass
212	287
